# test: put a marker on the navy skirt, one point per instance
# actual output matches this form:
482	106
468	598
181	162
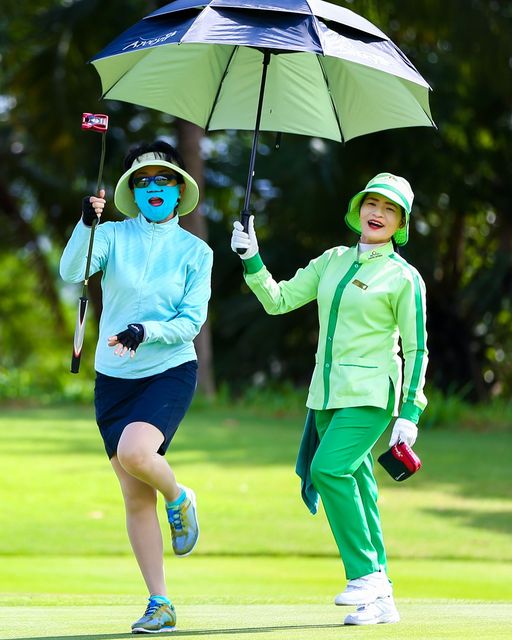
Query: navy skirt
162	400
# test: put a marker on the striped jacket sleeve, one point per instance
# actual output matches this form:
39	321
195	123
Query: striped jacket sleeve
287	295
411	318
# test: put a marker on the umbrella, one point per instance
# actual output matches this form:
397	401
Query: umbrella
295	66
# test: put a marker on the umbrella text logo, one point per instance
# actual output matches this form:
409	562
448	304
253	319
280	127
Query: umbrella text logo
152	42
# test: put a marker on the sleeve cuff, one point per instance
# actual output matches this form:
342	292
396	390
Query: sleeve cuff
150	331
410	411
253	265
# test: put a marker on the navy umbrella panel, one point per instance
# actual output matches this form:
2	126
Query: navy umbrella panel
322	79
326	10
309	68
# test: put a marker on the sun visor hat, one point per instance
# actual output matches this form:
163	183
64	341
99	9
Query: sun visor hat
396	189
123	195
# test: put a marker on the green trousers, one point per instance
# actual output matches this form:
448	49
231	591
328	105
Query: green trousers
342	473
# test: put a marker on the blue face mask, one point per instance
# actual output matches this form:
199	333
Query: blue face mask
157	203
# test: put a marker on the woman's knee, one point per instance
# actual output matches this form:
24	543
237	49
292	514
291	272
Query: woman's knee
322	473
319	472
133	459
138	495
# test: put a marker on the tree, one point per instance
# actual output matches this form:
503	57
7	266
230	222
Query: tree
189	142
51	163
462	232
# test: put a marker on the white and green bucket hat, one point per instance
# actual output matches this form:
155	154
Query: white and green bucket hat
123	195
397	189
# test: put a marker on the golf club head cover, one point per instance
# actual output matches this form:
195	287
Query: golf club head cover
88	212
400	461
131	337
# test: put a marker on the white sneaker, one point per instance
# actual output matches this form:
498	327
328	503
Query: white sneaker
365	590
381	611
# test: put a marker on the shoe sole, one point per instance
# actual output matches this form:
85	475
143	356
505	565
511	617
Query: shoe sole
192	497
164	630
390	620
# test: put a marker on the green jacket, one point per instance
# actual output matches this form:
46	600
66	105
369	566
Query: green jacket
365	303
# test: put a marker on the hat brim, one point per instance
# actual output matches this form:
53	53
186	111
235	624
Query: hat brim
123	195
353	220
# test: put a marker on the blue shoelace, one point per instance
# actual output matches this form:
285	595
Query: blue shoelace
175	514
152	607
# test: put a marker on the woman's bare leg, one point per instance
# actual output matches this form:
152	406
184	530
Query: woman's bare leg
143	528
142	472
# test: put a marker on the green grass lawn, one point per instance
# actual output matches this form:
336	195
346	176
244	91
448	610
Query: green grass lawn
420	621
264	567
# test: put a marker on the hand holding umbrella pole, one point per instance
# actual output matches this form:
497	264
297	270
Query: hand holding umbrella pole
93	122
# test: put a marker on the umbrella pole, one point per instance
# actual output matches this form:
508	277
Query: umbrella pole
245	213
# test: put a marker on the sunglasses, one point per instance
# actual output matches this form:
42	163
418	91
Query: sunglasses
142	182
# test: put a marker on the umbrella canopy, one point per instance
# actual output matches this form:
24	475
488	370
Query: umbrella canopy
327	72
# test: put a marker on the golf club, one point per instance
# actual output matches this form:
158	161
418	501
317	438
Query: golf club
92	122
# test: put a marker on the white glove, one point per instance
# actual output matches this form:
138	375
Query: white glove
242	240
404	431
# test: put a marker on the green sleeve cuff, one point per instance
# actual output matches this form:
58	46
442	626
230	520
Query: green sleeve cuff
410	411
253	265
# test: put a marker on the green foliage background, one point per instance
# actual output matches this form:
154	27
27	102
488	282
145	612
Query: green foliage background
462	231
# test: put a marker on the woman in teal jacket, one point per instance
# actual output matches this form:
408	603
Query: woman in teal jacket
368	297
156	286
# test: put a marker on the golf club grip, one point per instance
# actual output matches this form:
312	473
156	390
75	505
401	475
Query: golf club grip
75	363
244	219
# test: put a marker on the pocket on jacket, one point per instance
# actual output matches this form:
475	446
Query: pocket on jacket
360	363
362	380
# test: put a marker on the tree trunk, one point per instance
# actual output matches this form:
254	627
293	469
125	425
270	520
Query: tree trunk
189	139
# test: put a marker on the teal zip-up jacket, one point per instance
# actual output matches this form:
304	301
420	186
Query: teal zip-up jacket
158	275
365	303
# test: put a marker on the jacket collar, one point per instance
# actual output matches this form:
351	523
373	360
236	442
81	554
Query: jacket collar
162	229
375	254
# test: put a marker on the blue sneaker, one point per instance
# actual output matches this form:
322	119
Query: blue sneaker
184	525
158	618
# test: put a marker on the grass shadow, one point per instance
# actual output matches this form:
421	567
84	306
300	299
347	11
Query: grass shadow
191	633
500	522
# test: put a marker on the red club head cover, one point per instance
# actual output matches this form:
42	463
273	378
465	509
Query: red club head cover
95	122
400	461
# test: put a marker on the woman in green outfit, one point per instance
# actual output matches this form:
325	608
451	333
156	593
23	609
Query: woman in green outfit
368	297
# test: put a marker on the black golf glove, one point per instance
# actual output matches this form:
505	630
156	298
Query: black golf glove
131	337
88	212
